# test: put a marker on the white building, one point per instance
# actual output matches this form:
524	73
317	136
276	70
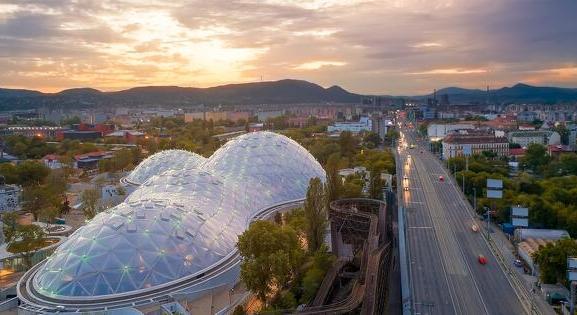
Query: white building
525	138
381	125
10	197
364	124
455	145
439	131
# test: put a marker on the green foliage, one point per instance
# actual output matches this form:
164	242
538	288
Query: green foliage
552	260
391	136
239	310
352	188
321	262
121	161
28	148
535	158
285	301
376	186
10	221
26	173
174	133
27	239
348	144
376	161
42	201
315	211
563	132
90	199
372	138
296	220
334	181
271	256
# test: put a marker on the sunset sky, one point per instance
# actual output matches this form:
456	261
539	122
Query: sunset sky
395	47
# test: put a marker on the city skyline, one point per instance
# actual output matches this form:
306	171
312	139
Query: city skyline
381	47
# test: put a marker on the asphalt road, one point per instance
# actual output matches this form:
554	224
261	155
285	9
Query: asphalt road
446	277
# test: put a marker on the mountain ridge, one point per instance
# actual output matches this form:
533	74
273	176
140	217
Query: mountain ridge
269	92
287	91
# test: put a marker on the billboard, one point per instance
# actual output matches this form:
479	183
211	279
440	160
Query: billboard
571	275
523	222
572	262
519	212
494	183
494	194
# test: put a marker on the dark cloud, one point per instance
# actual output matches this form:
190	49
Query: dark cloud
382	46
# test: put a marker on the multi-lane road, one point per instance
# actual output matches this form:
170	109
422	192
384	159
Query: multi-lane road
445	274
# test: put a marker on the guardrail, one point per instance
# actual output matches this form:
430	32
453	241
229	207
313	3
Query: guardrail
403	253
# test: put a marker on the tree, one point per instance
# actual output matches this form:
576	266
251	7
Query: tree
373	138
376	185
239	310
31	173
563	132
348	144
334	181
90	199
315	209
27	240
10	221
352	188
271	257
37	198
535	157
552	260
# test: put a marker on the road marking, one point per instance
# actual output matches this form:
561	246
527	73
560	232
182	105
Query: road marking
420	227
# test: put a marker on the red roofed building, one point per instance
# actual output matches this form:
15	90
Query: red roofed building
555	150
90	160
517	152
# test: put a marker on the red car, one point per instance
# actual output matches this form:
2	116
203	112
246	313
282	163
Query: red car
482	260
441	179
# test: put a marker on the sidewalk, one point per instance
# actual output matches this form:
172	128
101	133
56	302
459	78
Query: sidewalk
507	250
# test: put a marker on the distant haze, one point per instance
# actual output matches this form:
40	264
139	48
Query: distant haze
400	47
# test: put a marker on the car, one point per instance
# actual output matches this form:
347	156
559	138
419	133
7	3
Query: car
475	227
405	177
406	188
517	263
441	178
482	260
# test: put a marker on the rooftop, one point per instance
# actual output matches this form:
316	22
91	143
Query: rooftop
473	139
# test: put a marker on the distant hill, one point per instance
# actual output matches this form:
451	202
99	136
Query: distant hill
273	92
519	93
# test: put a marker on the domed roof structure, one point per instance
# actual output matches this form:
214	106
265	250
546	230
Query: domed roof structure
163	161
180	222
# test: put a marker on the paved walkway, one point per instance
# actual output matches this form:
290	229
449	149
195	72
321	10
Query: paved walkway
508	252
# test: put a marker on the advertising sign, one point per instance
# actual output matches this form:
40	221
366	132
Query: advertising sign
494	194
494	183
522	222
519	212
